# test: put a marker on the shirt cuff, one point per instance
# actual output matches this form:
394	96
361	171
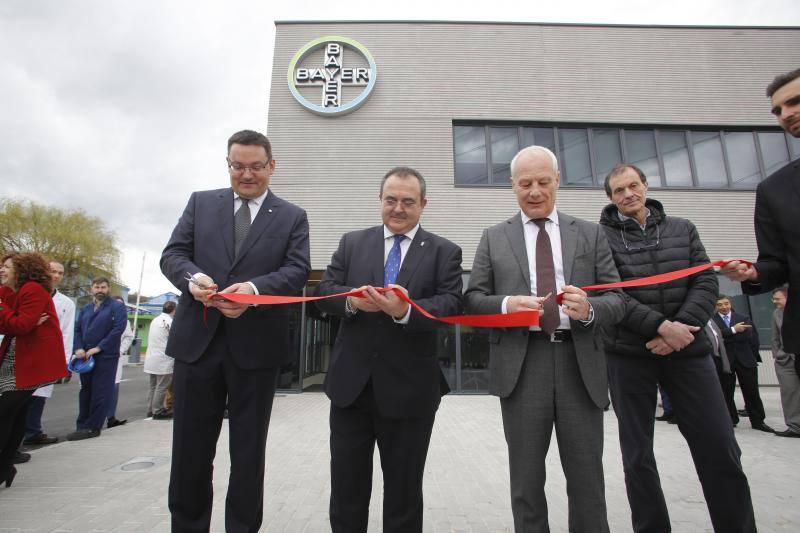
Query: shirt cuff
253	286
405	318
733	330
504	305
591	316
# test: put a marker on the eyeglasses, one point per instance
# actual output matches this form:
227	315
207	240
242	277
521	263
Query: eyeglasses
407	203
238	168
635	247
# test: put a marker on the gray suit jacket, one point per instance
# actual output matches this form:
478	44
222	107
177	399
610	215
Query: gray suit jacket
778	353
501	269
718	345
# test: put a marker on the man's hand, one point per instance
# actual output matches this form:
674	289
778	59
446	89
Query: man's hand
203	289
42	319
659	346
92	351
676	334
80	354
363	304
389	302
738	271
741	326
575	303
524	303
233	309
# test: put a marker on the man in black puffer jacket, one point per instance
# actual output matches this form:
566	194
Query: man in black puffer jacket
662	340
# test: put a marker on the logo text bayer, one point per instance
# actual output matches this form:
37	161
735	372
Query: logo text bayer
333	74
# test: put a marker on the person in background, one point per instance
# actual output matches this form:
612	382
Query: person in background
741	343
31	352
65	308
98	331
124	344
158	364
785	369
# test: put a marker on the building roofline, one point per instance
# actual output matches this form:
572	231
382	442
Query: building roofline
510	23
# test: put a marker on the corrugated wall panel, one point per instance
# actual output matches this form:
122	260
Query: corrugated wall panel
432	74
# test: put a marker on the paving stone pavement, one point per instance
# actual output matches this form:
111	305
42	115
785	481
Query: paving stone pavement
80	487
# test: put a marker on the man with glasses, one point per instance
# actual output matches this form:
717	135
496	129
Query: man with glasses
662	340
384	380
241	239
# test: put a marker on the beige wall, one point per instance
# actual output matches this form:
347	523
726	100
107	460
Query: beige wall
430	74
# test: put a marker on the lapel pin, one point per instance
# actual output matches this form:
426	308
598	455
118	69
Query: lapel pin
270	210
422	243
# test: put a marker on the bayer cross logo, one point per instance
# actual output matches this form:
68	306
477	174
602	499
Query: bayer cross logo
334	72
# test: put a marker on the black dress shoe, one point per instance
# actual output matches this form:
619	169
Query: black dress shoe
82	434
742	412
666	417
113	422
41	438
10	476
763	427
787	433
162	415
20	457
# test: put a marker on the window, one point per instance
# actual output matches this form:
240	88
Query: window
708	158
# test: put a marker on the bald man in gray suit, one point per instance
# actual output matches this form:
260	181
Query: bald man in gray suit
555	374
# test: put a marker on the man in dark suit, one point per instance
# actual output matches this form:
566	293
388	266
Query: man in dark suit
249	241
384	381
555	374
741	343
777	220
98	331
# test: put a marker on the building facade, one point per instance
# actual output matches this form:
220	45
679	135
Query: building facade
350	100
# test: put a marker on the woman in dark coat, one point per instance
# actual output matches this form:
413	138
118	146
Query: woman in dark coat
32	350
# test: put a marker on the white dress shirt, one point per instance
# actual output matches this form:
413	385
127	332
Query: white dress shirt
729	317
531	231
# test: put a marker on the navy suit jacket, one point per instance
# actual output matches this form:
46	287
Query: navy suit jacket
399	358
741	347
102	328
274	257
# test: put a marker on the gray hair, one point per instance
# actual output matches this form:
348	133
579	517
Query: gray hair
531	150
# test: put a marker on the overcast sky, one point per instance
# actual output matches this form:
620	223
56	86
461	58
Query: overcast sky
123	108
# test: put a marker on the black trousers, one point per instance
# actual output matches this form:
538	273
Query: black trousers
692	386
748	382
13	413
200	391
403	446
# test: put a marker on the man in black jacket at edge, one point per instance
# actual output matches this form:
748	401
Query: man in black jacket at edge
777	220
662	340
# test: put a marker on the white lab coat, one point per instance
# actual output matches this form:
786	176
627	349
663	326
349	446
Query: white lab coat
65	310
157	361
124	343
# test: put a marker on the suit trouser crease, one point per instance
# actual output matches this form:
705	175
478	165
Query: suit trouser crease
550	393
789	383
201	391
699	407
403	447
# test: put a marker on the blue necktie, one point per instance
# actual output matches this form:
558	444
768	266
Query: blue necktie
392	267
727	319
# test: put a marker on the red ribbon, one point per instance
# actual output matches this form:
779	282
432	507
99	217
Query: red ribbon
658	278
499	320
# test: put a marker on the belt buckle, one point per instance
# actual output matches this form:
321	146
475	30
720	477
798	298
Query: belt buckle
557	336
